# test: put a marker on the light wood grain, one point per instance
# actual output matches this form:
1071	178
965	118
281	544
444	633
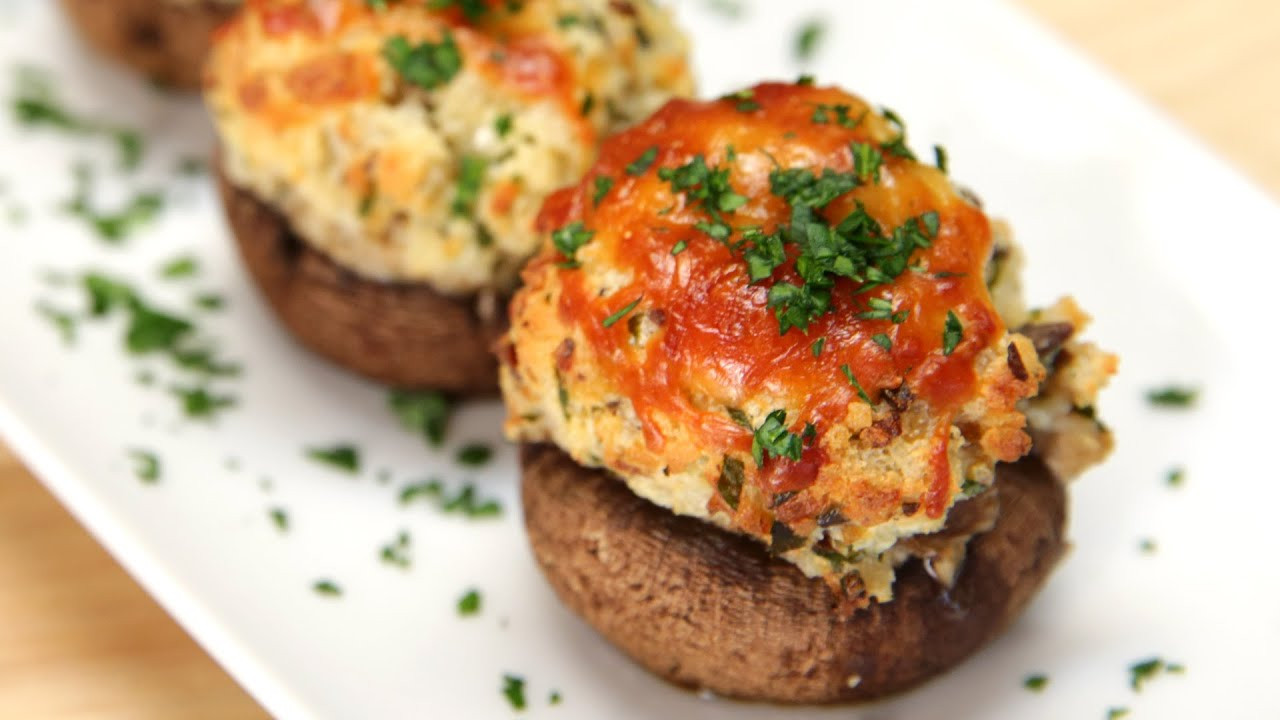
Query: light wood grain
79	639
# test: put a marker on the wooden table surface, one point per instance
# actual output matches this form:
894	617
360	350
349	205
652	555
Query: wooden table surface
78	638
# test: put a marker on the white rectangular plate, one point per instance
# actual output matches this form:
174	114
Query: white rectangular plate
1172	252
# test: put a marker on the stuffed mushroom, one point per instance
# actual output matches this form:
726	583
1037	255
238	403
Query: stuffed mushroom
791	434
383	163
164	40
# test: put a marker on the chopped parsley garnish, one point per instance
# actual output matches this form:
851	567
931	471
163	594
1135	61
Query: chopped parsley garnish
64	321
882	340
744	100
1147	546
940	158
952	333
464	502
181	267
772	439
513	691
604	184
470	179
1035	683
733	9
152	331
427	65
971	488
588	104
818	345
422	411
1115	713
473	9
621	313
503	124
641	165
470	603
1142	672
474	455
848	373
679	247
568	21
709	188
1173	396
327	588
342	457
554	698
569	239
856	248
396	552
146	466
191	166
279	518
898	145
823	113
732	476
199	404
209	301
1175	477
113	227
866	161
807	40
35	105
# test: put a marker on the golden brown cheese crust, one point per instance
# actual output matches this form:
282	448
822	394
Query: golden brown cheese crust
398	181
653	354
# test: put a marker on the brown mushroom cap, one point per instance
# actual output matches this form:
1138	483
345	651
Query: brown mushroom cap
405	335
167	42
708	609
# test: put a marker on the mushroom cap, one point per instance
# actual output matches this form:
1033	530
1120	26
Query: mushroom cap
712	610
405	335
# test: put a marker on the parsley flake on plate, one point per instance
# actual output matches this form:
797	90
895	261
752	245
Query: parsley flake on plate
396	552
1036	683
474	454
470	603
146	466
326	588
422	411
1143	671
1173	396
513	691
807	39
342	457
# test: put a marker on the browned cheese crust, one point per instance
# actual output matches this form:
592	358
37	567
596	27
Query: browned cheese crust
711	610
401	334
167	42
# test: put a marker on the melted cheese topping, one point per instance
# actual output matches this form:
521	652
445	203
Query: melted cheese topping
371	169
667	398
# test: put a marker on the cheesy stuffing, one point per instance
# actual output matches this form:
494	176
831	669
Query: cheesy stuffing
414	142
